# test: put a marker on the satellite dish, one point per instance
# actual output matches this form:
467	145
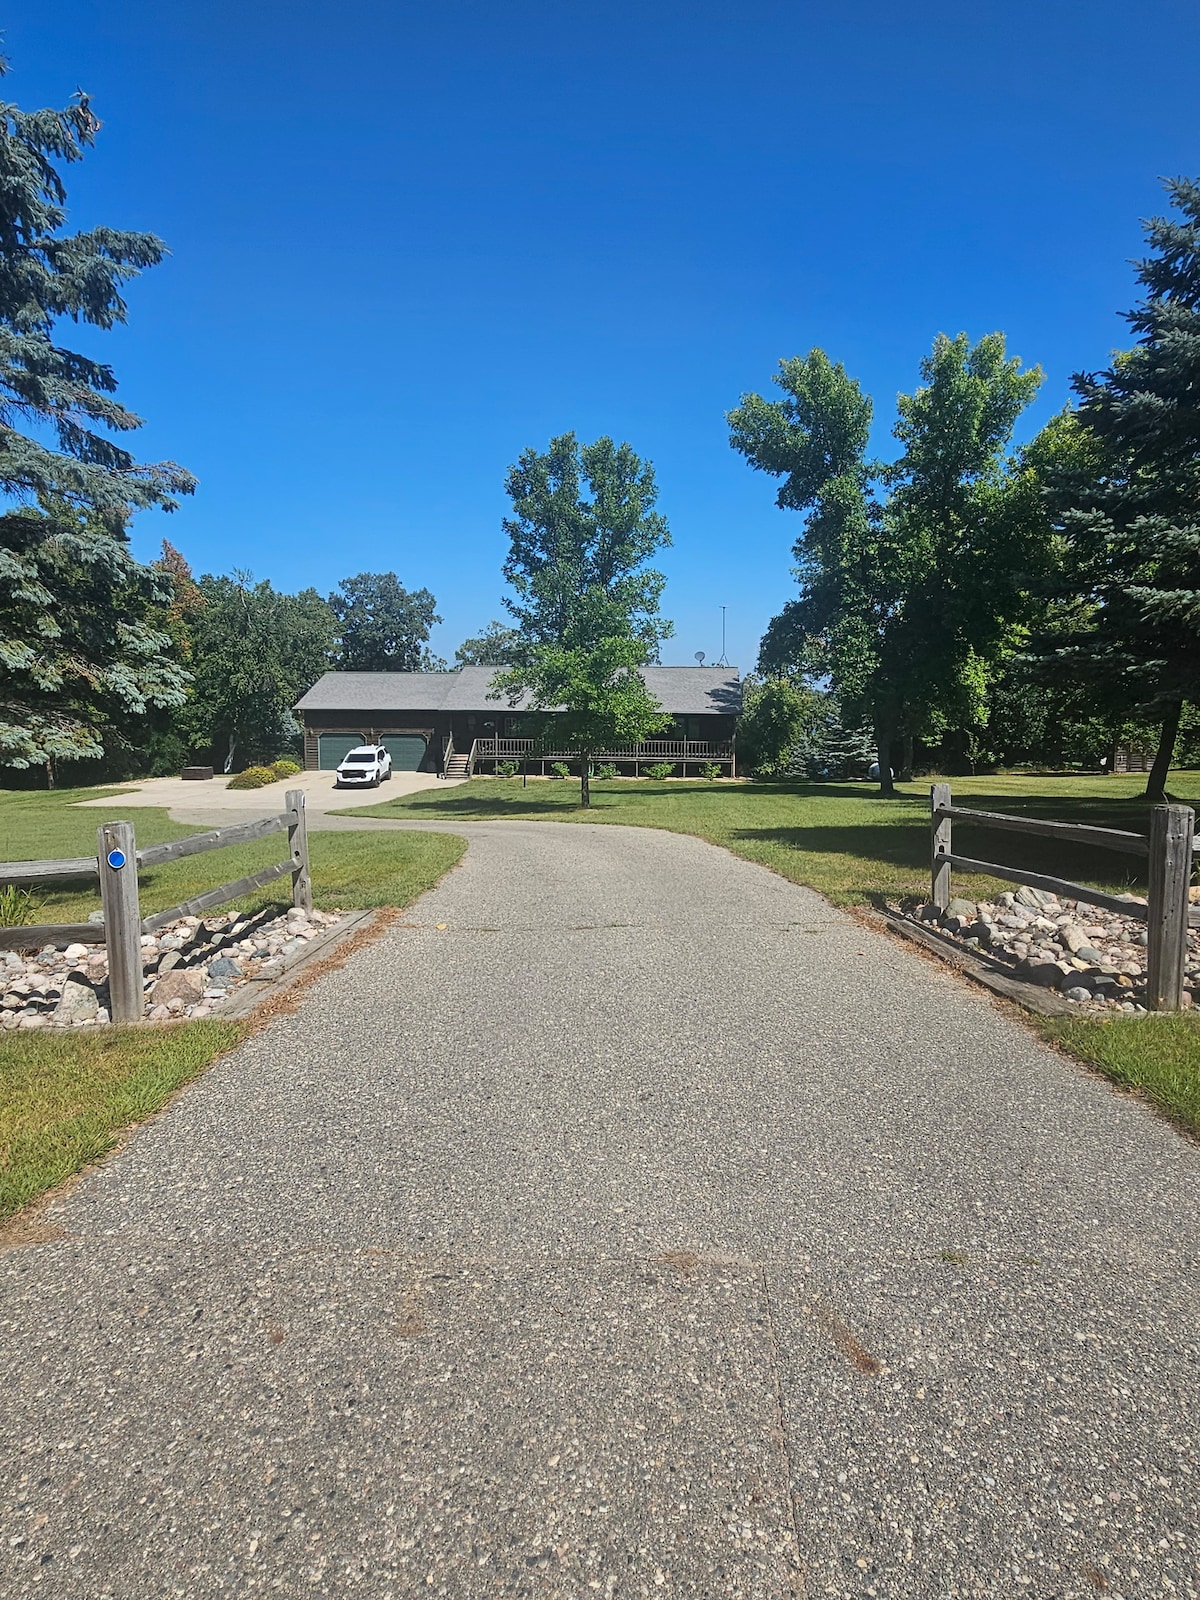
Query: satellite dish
700	657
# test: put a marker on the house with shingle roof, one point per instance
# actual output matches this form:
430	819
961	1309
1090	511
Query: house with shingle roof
444	721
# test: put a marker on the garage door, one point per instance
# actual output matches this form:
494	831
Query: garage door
332	747
407	750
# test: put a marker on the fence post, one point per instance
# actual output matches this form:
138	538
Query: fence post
1171	829
298	844
116	850
939	845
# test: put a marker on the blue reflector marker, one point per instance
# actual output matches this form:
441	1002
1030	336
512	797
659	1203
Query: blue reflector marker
116	859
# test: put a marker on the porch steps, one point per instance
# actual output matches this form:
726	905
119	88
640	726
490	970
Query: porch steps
456	767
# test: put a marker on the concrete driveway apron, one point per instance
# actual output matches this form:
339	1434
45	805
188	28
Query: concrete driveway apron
626	1222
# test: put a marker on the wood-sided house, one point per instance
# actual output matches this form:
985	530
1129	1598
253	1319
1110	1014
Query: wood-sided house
443	722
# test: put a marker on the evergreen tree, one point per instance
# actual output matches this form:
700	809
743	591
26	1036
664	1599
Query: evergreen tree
585	603
1130	510
80	653
382	626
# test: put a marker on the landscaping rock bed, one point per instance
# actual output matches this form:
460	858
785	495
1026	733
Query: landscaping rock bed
190	969
1093	958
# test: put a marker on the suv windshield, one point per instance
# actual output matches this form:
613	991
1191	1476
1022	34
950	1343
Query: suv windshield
359	761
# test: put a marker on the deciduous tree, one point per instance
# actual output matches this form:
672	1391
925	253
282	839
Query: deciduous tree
382	626
584	601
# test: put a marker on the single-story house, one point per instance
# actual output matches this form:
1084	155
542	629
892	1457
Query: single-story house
443	722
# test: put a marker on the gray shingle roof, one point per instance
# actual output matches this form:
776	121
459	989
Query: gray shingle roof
679	690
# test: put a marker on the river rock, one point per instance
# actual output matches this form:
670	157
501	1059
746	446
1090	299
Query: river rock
179	984
77	1004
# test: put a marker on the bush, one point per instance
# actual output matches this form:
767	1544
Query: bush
560	769
506	769
253	778
606	771
285	767
660	769
710	770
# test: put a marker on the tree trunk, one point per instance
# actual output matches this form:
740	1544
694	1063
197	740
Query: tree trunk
230	753
49	772
883	746
1156	783
906	759
585	793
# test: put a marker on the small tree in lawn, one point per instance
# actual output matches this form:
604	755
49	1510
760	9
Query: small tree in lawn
584	602
82	646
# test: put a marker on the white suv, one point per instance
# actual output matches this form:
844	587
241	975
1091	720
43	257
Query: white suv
364	767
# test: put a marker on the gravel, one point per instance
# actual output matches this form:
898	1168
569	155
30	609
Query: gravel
626	1221
1095	958
189	969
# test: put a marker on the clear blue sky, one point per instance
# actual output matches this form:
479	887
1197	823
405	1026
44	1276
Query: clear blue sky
411	239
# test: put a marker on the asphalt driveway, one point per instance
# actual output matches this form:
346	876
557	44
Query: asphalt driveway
627	1222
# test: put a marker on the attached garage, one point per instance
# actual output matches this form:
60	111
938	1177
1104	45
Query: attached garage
407	750
332	748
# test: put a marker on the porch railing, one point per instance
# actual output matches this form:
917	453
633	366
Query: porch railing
506	749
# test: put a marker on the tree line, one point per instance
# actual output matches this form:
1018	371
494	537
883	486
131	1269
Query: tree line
991	604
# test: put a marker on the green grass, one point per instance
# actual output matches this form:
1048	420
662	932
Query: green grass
842	839
349	870
1160	1056
64	1097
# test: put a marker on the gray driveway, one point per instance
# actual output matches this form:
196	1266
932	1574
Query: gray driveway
627	1222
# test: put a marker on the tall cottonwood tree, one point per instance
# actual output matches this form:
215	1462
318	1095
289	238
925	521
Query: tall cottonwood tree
911	575
585	604
80	651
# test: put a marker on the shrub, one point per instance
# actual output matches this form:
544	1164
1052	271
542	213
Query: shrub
710	770
18	908
506	769
560	769
606	771
660	769
285	767
252	778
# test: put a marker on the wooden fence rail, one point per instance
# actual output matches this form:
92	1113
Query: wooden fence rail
1168	851
117	862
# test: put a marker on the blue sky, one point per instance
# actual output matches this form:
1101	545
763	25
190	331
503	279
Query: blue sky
410	239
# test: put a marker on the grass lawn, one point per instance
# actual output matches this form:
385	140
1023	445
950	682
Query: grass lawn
1158	1055
839	838
64	1097
860	850
349	870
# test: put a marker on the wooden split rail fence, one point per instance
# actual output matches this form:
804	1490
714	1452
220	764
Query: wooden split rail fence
116	864
1168	852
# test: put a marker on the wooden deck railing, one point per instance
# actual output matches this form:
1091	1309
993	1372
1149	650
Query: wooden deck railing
649	750
116	864
1168	851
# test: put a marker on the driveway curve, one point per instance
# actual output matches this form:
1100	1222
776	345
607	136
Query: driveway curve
627	1222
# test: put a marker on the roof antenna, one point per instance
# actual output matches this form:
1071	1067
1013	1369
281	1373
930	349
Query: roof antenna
699	658
723	662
